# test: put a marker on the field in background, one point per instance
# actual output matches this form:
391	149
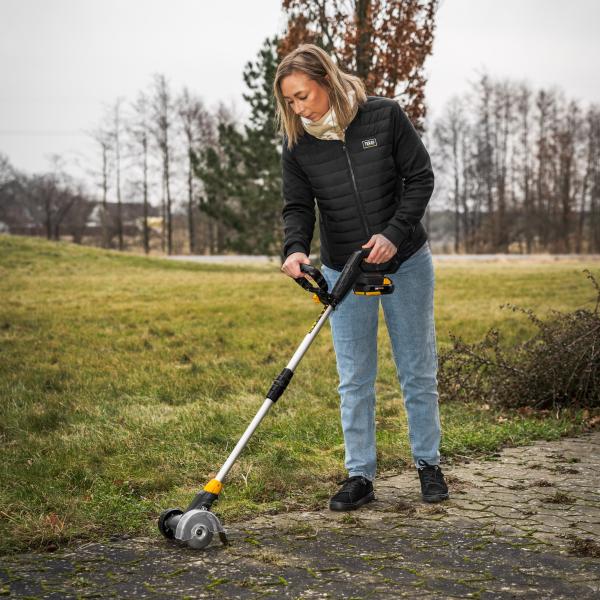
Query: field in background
125	382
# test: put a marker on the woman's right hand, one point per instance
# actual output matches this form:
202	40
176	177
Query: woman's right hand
291	266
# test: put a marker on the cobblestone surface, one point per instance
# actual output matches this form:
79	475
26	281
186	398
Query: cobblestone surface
523	524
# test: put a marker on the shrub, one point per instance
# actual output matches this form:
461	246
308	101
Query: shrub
558	366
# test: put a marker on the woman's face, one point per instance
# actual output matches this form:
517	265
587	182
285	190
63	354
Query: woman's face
305	96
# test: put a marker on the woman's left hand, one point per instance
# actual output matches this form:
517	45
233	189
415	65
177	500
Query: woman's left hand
383	250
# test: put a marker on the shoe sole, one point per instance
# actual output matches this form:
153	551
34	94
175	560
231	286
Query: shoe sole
436	498
339	506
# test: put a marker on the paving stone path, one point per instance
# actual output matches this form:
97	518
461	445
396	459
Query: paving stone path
524	523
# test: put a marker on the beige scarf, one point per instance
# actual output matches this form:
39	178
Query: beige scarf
327	128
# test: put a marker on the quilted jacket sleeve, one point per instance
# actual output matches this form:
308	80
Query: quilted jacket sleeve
298	206
414	166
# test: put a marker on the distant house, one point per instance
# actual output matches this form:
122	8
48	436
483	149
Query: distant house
22	216
132	214
16	215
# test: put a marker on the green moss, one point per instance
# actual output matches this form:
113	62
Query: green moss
216	582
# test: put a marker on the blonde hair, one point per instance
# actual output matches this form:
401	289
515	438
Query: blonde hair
316	64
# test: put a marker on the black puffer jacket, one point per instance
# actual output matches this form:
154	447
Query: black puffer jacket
379	181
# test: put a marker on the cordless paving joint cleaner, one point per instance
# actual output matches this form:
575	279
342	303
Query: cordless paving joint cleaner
197	525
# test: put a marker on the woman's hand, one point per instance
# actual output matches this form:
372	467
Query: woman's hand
291	266
383	250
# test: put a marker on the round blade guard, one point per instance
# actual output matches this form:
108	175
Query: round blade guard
197	527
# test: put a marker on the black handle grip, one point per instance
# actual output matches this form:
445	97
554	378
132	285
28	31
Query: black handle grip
316	275
352	270
321	289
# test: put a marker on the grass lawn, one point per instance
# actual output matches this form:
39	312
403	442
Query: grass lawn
126	381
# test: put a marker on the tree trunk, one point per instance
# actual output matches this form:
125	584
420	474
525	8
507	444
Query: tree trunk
117	128
163	213
146	232
104	217
363	38
191	232
168	207
48	214
456	191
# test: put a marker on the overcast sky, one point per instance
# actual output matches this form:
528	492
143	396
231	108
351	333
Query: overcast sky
62	61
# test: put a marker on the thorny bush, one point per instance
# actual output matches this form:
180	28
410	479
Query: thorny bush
558	366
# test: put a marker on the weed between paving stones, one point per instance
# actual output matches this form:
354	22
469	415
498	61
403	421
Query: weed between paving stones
559	498
542	483
585	547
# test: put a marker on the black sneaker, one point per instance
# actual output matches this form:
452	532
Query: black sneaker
433	486
355	492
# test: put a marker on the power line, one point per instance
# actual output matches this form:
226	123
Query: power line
47	132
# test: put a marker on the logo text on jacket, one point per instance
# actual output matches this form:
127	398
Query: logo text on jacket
370	143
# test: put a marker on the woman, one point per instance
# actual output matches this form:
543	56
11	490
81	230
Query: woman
365	164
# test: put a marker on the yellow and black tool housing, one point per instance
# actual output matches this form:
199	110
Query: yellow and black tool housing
364	280
373	284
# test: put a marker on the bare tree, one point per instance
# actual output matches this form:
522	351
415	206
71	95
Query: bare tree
58	199
225	117
568	184
116	143
448	137
162	111
195	124
75	220
524	160
591	183
545	103
102	138
503	125
7	171
48	197
454	159
139	131
485	162
519	168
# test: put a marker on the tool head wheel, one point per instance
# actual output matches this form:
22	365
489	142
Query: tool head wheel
163	526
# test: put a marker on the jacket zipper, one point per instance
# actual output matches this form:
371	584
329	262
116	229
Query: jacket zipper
359	204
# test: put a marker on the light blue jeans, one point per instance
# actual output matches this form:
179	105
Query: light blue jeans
408	313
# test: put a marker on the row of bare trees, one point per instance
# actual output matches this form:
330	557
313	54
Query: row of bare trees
47	204
385	42
520	169
151	140
167	150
